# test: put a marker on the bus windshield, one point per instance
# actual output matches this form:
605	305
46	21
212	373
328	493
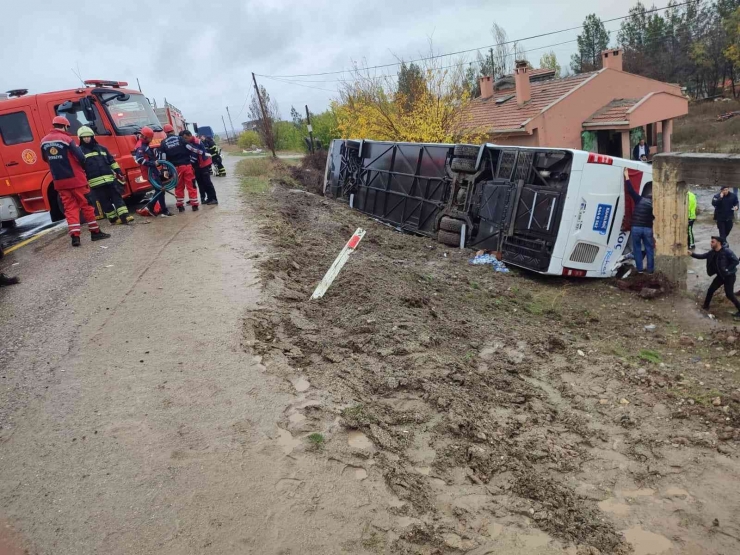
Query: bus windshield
131	115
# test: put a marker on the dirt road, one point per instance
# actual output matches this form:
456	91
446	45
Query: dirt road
134	421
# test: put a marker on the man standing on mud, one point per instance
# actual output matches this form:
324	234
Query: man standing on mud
722	264
642	224
725	205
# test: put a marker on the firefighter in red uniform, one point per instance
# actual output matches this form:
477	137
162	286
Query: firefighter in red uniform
177	151
146	157
66	162
202	167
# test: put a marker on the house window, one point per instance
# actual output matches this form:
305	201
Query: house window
14	128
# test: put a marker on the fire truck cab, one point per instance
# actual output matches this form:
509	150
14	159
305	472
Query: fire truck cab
115	114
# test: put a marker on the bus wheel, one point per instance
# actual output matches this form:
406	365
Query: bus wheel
451	224
56	207
449	238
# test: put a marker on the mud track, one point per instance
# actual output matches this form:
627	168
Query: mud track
506	412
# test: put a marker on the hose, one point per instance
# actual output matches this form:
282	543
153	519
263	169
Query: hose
168	185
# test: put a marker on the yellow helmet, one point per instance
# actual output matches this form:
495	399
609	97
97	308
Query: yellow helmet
85	131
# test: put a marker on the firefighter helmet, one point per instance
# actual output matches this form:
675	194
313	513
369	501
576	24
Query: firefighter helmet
60	120
85	131
168	128
147	132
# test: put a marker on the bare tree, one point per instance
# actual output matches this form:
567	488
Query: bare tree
503	54
265	123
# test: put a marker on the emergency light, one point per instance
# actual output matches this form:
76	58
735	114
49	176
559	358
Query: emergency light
103	83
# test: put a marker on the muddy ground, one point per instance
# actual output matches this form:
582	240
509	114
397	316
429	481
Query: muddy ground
506	413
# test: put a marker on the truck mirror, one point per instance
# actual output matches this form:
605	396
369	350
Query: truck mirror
87	109
66	106
123	97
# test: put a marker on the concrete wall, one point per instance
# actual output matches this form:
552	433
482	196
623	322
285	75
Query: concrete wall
561	125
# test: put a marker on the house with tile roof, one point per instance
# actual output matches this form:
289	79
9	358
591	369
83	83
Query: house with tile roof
596	111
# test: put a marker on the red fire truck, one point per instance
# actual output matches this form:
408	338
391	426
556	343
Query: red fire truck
169	114
115	113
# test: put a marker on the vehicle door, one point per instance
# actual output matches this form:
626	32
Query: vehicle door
83	111
23	169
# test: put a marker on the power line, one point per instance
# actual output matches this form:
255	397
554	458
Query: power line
653	10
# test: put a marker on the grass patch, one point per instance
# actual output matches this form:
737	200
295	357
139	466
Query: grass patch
255	173
649	356
317	440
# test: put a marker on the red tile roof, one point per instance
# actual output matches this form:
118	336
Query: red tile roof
616	110
484	113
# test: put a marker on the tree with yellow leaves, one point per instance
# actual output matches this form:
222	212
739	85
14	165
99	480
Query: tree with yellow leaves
424	104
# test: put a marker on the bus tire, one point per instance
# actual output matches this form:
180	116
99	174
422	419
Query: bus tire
448	238
56	207
465	151
463	165
451	224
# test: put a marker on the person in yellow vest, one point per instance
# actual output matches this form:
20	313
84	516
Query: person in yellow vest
102	172
691	202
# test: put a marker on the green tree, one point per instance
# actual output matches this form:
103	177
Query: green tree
295	115
550	61
410	83
591	42
249	139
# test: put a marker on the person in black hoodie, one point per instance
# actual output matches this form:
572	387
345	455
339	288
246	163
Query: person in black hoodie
722	264
725	204
103	172
642	224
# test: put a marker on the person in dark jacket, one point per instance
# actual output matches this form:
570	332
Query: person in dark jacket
215	152
65	159
146	156
725	204
722	264
641	151
177	151
103	173
6	280
202	167
642	224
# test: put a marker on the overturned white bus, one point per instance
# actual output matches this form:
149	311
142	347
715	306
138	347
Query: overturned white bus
553	211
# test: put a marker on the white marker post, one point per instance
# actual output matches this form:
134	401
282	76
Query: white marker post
339	263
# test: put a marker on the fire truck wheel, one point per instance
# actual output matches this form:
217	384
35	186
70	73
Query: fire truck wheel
448	238
451	224
466	151
9	224
56	207
463	165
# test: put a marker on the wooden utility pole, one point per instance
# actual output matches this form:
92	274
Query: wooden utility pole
310	129
233	133
225	130
266	122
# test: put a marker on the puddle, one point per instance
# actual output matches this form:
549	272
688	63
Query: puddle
647	543
360	473
358	440
612	506
287	441
301	384
296	418
645	492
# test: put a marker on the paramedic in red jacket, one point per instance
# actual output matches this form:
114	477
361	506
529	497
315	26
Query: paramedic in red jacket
66	162
202	167
177	151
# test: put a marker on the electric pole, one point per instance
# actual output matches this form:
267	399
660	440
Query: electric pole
267	124
233	133
493	66
310	129
225	130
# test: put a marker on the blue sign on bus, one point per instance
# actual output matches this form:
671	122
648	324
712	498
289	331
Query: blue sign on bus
603	215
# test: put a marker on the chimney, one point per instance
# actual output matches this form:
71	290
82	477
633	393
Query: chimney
521	82
612	59
486	86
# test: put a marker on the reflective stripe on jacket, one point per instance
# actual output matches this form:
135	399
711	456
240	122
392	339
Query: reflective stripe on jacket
100	166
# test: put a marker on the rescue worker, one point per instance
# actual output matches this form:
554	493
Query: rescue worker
103	173
202	164
66	162
146	157
6	280
213	149
691	203
722	264
177	151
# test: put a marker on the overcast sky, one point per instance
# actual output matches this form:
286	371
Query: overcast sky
200	55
